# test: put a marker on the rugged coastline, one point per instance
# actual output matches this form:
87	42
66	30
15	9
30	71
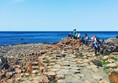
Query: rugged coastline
64	62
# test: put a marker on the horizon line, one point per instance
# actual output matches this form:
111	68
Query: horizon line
58	31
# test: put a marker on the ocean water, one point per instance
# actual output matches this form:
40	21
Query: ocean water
25	37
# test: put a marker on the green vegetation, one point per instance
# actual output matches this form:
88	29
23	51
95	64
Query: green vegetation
106	52
115	59
21	80
111	81
104	62
107	67
97	55
53	81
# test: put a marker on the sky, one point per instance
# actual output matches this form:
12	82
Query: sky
58	15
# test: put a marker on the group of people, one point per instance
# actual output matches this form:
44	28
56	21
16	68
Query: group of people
95	42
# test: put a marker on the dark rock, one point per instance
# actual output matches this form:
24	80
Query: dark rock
6	66
97	63
116	36
111	45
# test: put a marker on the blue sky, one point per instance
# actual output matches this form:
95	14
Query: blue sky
58	15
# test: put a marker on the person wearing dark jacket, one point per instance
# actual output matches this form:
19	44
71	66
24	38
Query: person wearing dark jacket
97	45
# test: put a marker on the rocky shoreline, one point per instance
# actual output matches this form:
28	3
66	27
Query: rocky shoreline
68	61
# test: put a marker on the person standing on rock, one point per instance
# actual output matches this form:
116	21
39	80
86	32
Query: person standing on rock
79	36
97	45
86	39
74	33
93	39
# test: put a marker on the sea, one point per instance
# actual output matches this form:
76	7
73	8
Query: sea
32	37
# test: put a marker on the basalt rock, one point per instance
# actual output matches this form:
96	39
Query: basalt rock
112	41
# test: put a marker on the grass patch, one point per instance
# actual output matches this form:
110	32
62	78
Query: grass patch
97	54
105	69
106	53
21	80
52	81
37	68
111	81
104	62
115	59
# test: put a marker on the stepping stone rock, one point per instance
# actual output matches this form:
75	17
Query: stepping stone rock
112	65
53	70
60	77
50	73
35	71
61	81
97	77
95	69
35	67
63	71
51	64
103	81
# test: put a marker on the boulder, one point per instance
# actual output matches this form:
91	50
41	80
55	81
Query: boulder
112	40
114	77
117	36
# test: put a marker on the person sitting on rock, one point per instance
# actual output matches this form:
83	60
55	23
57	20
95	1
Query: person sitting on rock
76	36
82	40
5	64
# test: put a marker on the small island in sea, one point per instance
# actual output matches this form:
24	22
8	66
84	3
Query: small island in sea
70	60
